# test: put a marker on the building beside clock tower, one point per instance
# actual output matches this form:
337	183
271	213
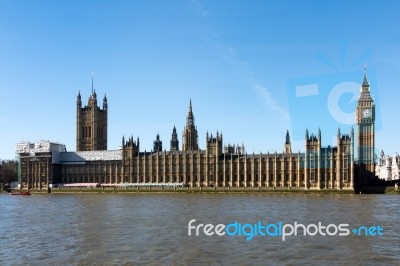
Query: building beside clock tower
317	167
365	120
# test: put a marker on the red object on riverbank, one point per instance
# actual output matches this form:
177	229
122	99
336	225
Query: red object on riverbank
20	193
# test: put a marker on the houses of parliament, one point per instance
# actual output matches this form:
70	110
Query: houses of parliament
43	164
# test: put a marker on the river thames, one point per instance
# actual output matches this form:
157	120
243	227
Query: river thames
152	228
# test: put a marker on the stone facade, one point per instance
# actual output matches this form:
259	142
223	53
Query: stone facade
388	168
317	167
91	124
365	120
91	167
39	164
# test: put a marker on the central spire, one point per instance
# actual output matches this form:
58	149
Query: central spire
190	116
190	107
288	146
174	140
190	132
287	137
365	83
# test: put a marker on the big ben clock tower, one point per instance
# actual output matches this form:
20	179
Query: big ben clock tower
365	119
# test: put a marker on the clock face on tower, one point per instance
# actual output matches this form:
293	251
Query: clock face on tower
366	113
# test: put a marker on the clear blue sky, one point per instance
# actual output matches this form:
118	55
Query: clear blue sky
238	61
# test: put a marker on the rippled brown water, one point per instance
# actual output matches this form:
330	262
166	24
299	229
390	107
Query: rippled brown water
131	229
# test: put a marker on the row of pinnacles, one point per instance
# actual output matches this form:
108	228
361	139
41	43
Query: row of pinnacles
319	167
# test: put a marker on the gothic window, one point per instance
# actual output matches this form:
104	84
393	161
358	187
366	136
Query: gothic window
312	176
345	176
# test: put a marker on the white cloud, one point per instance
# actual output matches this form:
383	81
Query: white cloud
269	100
255	84
229	54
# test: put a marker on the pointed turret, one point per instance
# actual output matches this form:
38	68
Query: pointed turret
94	95
105	105
157	146
365	83
288	146
174	141
190	132
352	133
190	116
287	137
79	100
